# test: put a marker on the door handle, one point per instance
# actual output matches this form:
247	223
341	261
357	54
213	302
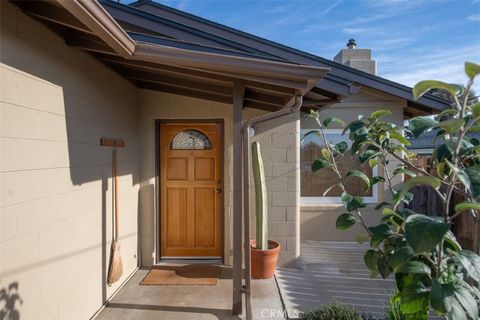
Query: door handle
219	190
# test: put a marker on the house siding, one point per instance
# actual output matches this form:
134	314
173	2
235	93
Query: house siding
280	148
317	222
56	187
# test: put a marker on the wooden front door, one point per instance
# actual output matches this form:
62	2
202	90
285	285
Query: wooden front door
191	192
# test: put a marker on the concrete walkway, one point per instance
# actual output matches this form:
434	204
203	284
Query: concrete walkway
142	302
332	271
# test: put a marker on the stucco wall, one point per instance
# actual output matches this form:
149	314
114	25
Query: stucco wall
318	220
55	221
279	141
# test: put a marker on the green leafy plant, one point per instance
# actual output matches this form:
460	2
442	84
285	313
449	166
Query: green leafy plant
430	268
332	311
393	311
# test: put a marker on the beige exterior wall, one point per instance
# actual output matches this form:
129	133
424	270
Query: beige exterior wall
280	145
318	220
55	220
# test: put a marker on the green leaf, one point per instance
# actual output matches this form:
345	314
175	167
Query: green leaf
362	237
423	233
378	114
326	154
370	258
372	162
467	301
340	147
424	86
345	221
376	179
361	175
366	155
470	262
473	174
476	110
404	171
413	267
354	126
452	300
383	267
320	164
352	203
419	125
379	233
438	296
472	69
451	241
394	216
467	206
309	133
402	255
335	120
452	125
441	170
382	204
400	138
415	301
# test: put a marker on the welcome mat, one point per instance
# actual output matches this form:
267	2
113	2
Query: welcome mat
188	275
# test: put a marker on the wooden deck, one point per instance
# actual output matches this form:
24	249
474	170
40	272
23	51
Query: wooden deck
333	271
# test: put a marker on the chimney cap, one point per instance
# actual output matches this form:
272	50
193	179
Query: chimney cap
351	44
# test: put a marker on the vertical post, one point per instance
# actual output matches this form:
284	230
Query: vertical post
246	219
238	95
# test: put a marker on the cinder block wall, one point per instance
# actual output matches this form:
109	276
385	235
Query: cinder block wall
56	187
280	147
279	140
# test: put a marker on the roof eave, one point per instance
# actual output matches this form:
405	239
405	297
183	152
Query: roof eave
97	19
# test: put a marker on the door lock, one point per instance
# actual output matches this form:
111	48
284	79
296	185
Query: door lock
219	190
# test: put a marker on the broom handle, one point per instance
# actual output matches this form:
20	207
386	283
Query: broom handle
115	191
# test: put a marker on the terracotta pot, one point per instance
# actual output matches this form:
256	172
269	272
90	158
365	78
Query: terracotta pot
264	261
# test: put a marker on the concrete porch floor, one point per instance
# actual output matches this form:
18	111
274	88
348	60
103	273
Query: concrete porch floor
141	302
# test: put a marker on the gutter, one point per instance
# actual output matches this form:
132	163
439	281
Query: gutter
247	126
97	19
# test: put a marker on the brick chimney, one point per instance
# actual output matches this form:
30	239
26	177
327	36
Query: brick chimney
360	59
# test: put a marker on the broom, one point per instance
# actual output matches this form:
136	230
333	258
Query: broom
116	267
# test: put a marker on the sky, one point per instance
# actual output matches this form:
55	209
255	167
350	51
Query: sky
411	40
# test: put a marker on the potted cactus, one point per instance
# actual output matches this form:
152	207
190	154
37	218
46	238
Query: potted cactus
264	252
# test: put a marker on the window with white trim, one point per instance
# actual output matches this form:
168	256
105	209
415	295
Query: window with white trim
314	185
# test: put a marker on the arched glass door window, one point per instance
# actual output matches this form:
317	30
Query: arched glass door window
191	139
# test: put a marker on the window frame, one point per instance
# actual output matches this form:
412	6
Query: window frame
306	200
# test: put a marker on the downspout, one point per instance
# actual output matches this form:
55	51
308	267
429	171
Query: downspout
247	126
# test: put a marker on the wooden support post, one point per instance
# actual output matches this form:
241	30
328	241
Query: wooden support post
238	98
246	219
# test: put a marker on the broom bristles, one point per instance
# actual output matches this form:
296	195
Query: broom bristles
116	266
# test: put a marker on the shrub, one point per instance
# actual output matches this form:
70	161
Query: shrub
394	310
332	311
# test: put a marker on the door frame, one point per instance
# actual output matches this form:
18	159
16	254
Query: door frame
157	217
